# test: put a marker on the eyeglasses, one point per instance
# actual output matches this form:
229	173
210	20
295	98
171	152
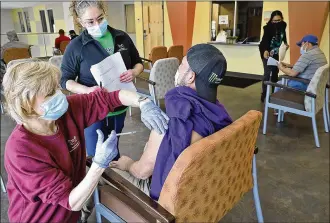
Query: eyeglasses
92	22
277	21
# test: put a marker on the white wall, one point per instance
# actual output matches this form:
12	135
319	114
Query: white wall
116	17
7	23
68	18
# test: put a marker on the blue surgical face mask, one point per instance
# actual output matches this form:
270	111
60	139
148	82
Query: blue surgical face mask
55	106
98	31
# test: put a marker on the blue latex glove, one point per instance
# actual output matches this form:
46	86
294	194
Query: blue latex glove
153	117
105	151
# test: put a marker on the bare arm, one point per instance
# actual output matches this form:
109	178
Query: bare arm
77	88
79	195
287	71
138	68
143	168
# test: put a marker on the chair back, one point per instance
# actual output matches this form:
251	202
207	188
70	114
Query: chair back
176	51
56	60
63	46
158	52
163	73
13	62
213	174
317	86
15	53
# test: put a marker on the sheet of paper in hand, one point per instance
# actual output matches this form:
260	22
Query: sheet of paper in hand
272	62
108	72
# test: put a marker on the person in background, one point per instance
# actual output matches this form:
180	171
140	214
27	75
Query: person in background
311	59
45	155
93	45
72	34
61	38
194	112
274	35
13	43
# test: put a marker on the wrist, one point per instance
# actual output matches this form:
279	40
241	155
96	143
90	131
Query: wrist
143	100
96	168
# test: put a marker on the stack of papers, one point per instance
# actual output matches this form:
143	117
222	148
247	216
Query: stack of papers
272	62
108	72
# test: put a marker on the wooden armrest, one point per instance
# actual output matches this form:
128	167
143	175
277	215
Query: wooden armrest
146	60
309	94
135	194
147	80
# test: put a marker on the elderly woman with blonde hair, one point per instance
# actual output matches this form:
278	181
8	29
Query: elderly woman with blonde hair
45	155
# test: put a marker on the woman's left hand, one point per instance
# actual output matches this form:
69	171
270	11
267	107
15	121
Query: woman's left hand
127	76
153	117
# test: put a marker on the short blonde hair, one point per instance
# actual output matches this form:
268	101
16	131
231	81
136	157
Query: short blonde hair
23	82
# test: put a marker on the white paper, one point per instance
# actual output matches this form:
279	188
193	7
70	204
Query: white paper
108	72
223	19
282	52
272	62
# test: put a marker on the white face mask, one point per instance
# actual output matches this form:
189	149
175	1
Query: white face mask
302	50
176	78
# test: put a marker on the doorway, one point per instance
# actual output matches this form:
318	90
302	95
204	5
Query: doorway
153	25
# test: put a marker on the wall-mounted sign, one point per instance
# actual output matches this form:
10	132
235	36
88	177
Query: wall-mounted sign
267	15
223	20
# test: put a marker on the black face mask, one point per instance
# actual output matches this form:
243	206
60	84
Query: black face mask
279	26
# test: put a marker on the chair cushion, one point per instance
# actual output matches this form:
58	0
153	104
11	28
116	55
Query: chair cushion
289	99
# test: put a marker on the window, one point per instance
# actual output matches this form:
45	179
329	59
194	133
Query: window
238	18
43	21
51	20
130	18
21	22
27	20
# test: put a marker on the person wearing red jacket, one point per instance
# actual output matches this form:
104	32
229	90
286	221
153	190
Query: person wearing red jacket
61	38
45	155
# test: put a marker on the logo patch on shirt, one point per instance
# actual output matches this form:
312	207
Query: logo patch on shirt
110	50
74	143
121	47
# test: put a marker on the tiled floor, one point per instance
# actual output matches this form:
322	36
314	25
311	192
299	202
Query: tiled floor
293	175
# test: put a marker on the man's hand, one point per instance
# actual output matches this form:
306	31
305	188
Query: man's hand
287	46
123	163
280	66
127	76
266	54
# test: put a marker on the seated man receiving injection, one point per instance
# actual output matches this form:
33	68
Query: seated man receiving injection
194	113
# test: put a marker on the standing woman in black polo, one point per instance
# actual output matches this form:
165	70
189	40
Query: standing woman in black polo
97	42
274	35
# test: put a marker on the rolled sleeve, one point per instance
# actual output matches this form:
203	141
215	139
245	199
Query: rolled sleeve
95	106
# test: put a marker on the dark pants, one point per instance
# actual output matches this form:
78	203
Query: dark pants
106	126
269	70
